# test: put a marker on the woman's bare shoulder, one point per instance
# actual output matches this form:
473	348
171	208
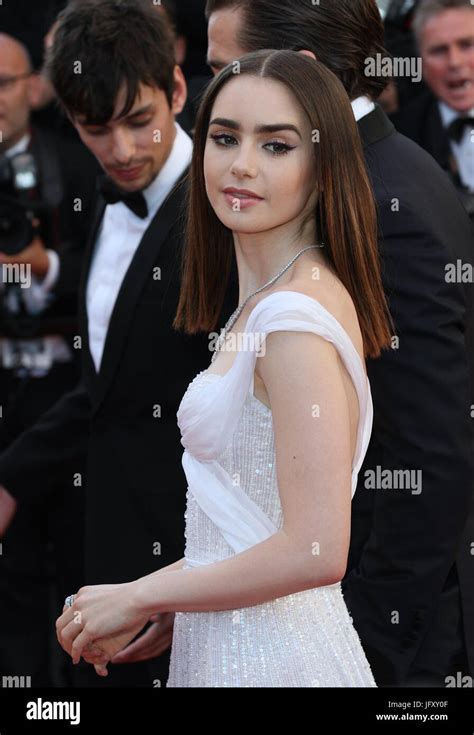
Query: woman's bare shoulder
331	293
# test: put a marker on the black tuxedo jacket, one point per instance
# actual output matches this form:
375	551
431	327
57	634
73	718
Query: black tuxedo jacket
404	545
421	121
117	432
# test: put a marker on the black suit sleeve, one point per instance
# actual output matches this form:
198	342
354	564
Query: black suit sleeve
51	452
421	393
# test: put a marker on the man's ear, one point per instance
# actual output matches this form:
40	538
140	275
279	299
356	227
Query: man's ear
180	49
180	92
306	52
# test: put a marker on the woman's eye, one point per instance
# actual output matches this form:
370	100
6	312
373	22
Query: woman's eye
276	148
280	148
223	139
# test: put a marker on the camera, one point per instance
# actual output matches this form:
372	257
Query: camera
18	205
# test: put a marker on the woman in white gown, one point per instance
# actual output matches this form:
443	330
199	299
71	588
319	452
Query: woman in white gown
276	429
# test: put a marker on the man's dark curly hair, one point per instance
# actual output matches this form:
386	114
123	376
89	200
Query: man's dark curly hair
101	45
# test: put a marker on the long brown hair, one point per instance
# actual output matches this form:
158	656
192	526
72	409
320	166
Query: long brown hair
345	213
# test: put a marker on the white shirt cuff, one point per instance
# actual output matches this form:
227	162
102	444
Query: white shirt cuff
39	296
51	277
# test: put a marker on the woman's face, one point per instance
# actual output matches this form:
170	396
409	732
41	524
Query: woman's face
259	157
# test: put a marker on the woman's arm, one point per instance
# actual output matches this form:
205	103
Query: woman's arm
171	567
304	382
302	376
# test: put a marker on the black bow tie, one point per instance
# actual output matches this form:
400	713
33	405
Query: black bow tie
457	127
112	194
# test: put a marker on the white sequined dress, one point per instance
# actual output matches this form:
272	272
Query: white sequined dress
300	640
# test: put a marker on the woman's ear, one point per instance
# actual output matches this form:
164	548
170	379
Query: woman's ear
306	52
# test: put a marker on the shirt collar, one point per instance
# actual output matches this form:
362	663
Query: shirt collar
362	106
448	114
175	165
19	147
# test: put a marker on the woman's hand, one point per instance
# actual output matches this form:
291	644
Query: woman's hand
103	618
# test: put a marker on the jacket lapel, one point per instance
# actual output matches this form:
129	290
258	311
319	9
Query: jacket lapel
90	374
374	127
435	138
132	287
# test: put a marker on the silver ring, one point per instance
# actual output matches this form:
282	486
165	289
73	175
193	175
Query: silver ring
69	600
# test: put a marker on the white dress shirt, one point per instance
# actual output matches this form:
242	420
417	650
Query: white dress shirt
464	150
362	106
118	239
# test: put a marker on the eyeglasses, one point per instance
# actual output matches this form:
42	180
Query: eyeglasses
8	82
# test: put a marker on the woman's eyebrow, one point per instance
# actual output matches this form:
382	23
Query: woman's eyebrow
274	128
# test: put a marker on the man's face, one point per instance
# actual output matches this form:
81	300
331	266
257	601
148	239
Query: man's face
447	49
132	150
223	47
15	92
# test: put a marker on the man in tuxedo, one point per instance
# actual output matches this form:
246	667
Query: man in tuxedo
442	119
409	583
136	367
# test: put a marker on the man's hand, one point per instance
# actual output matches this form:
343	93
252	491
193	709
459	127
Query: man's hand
8	507
151	644
35	255
155	641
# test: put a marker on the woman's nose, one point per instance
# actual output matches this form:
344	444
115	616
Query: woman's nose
244	164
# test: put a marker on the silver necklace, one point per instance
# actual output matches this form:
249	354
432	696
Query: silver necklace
233	318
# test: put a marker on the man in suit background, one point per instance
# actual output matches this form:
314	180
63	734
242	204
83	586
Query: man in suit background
442	119
45	177
136	368
409	584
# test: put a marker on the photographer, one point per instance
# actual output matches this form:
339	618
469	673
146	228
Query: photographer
45	186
